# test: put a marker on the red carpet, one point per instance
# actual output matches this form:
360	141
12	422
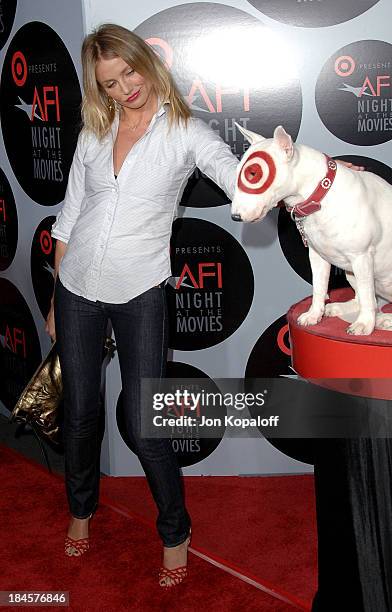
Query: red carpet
119	570
264	525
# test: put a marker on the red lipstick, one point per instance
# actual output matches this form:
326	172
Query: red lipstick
133	97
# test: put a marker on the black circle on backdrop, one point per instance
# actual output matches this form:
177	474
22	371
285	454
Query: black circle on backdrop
189	450
218	57
42	264
291	242
212	287
8	223
20	351
7	16
313	13
39	107
271	358
271	355
353	93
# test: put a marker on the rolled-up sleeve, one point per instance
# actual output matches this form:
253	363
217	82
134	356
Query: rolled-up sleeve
212	155
66	217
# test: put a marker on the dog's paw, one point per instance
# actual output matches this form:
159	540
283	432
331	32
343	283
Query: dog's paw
384	321
333	310
339	309
311	317
360	328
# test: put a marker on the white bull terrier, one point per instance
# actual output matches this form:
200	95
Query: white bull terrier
344	216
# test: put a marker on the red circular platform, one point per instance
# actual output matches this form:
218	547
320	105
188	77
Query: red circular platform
325	353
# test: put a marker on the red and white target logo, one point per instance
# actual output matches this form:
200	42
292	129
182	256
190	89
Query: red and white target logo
257	173
46	243
344	65
19	68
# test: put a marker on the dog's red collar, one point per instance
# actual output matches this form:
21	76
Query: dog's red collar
312	203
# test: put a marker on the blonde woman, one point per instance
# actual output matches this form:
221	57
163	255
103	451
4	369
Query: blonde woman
137	148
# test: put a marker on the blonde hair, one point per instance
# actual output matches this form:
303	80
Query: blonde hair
109	41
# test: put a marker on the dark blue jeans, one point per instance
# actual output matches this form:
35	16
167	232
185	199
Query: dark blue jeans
140	328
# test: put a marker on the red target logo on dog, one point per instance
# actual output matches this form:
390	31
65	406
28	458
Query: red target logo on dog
257	173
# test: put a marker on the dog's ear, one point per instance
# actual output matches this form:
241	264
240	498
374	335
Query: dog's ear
251	137
284	141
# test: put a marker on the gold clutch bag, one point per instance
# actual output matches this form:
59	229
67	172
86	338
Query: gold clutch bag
40	404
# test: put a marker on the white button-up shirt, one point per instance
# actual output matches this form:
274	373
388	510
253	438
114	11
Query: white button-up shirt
118	230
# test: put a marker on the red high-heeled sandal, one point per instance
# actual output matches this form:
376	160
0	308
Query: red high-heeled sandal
172	577
76	548
175	576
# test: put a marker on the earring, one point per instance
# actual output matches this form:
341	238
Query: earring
111	104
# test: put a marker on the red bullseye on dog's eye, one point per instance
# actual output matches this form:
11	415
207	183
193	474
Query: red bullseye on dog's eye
253	173
257	173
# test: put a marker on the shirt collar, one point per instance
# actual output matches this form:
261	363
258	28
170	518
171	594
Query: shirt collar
162	108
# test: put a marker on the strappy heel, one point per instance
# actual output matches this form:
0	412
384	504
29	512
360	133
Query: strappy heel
76	548
172	577
175	575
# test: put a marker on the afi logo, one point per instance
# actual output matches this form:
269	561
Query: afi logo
204	270
15	340
49	97
2	210
44	97
213	103
375	88
198	89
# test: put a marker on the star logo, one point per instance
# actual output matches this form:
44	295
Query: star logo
173	281
28	109
48	268
356	91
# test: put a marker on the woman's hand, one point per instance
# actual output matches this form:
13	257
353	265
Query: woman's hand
350	165
49	325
